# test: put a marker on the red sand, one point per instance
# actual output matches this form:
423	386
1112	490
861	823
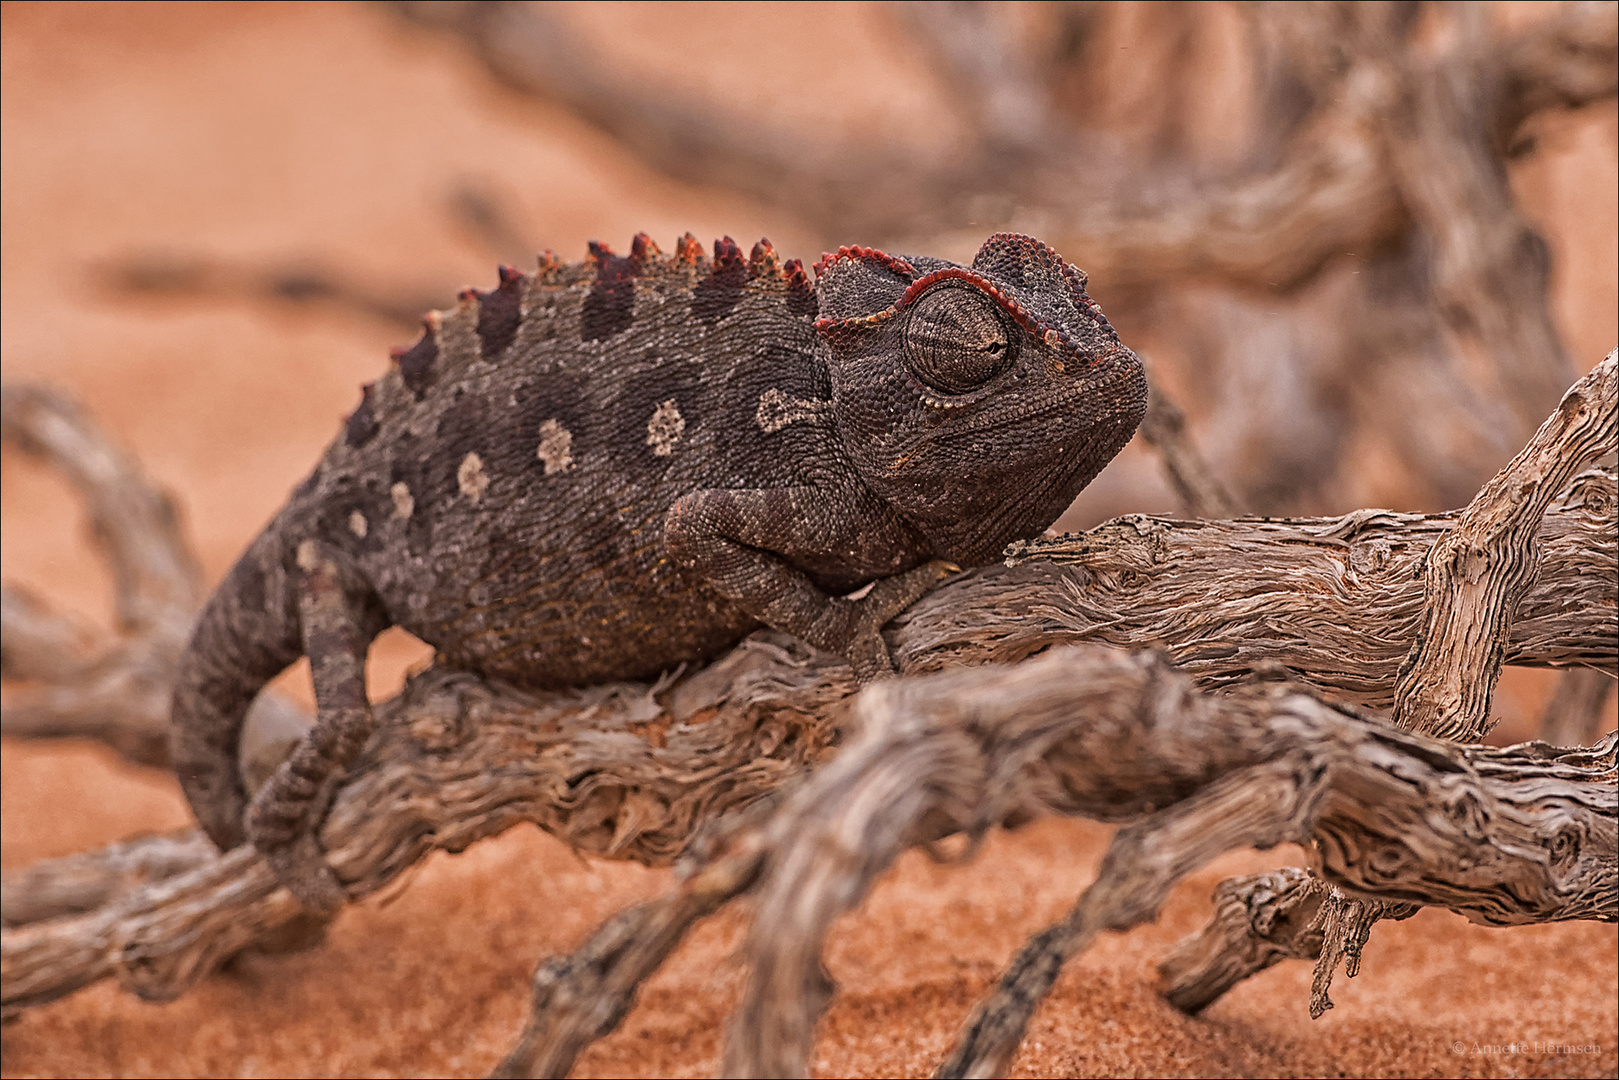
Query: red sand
258	132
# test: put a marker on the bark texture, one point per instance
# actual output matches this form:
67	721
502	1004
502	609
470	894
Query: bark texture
1277	614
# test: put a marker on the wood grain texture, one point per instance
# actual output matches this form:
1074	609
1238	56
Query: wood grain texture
1276	614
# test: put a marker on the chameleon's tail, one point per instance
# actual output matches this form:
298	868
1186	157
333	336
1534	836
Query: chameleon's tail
247	635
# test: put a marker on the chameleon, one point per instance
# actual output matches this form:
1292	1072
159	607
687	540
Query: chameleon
605	469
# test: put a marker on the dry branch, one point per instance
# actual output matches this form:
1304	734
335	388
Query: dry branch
1479	572
618	771
1113	736
633	771
1393	149
630	771
114	688
1489	269
1334	602
85	881
1474	580
135	524
1333	193
156	275
1502	836
1562	63
1258	921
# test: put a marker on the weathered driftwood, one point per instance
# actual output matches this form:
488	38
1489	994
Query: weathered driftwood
633	771
1258	921
85	881
1478	573
630	770
619	771
1335	602
136	528
1526	834
1475	576
1331	602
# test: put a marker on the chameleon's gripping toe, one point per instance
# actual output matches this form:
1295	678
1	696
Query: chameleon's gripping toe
865	648
282	824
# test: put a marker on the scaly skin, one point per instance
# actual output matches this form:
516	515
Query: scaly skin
617	466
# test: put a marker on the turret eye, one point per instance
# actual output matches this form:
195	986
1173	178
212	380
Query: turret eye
956	339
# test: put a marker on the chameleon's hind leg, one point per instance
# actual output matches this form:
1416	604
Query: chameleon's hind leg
338	626
740	540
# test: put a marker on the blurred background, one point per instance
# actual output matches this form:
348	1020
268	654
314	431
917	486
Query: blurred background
1363	247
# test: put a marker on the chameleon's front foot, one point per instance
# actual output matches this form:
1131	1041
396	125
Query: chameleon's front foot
863	619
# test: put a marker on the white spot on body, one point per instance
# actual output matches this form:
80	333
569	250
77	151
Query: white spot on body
471	477
665	428
556	447
358	525
777	409
308	555
404	504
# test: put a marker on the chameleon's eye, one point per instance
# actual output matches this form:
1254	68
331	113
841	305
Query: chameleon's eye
956	338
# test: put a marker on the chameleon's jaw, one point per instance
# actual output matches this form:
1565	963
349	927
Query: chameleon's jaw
1006	469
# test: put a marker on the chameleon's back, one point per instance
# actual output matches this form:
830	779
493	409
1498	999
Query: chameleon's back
503	488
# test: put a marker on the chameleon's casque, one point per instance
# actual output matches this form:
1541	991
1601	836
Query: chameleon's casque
613	467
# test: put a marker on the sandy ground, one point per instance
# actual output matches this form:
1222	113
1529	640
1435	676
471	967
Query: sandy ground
264	132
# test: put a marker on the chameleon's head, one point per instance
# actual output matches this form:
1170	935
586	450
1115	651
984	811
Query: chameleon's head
977	400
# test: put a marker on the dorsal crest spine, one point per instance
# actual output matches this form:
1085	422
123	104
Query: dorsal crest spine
763	262
362	422
644	253
610	307
689	252
727	256
416	362
500	311
801	298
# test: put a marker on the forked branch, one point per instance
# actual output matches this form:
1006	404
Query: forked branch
1504	837
631	771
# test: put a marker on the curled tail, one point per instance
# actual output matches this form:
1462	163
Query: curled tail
247	635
